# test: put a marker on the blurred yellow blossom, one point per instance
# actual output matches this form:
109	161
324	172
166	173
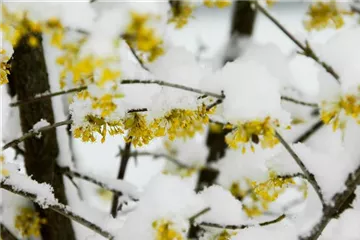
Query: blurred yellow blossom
164	230
28	222
325	14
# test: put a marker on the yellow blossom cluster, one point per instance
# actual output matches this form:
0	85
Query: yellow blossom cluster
261	194
217	3
3	171
181	123
253	132
181	11
28	222
15	26
325	14
177	123
225	235
140	36
347	104
164	230
4	67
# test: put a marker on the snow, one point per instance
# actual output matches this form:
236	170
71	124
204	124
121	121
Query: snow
161	200
251	91
224	208
40	124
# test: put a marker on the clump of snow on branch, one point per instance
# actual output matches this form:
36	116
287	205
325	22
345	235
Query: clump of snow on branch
225	209
161	200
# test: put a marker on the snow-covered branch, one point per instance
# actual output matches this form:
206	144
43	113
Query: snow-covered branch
59	208
306	49
95	180
34	133
309	176
236	227
330	211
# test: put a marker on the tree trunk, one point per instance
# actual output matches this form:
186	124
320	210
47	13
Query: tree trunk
242	26
28	78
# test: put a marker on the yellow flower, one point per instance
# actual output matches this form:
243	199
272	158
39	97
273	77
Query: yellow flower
217	3
253	132
348	104
325	14
164	230
33	41
143	38
139	132
4	72
95	124
181	12
28	222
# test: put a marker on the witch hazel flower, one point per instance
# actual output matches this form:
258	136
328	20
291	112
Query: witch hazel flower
251	105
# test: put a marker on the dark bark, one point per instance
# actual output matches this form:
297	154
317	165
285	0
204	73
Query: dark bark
243	18
5	233
125	156
29	77
242	26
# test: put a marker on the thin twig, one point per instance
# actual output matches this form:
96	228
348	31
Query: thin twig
308	133
235	227
46	96
136	56
307	50
125	156
329	211
156	155
59	208
172	85
289	99
195	216
309	176
125	82
33	133
72	173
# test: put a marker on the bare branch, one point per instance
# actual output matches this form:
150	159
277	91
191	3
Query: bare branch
236	227
309	176
289	99
123	164
156	155
330	211
172	85
307	50
72	173
46	96
195	216
60	208
308	133
34	133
